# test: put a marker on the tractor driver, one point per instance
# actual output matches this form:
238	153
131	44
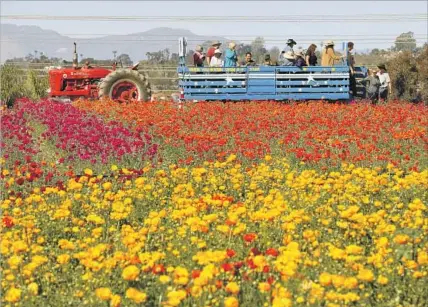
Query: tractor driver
87	65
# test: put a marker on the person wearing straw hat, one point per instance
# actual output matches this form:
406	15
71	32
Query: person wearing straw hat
210	53
230	56
300	60
385	88
329	57
198	57
216	60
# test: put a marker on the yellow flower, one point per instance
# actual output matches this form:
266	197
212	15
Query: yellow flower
382	280
115	300
365	275
338	280
114	168
103	294
350	283
260	262
107	186
88	172
63	259
19	246
401	239
181	276
325	279
231	302
13	295
136	296
281	302
422	258
196	291
33	288
131	272
264	287
164	279
14	262
354	249
175	297
232	287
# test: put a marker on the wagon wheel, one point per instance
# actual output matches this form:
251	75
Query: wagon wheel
125	85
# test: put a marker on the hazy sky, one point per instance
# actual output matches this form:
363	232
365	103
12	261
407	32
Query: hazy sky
365	34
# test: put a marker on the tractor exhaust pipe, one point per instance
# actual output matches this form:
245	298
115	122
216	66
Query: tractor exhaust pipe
75	58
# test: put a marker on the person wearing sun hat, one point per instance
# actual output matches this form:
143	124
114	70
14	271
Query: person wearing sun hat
329	57
216	60
289	45
385	88
210	52
300	60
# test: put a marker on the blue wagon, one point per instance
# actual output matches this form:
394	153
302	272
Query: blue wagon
263	82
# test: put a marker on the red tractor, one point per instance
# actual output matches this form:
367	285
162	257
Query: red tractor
122	84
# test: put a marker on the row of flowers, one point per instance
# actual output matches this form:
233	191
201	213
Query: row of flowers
315	132
87	137
218	234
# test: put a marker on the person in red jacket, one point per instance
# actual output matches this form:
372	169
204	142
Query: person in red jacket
210	53
198	57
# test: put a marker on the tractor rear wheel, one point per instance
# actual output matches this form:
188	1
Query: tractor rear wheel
125	85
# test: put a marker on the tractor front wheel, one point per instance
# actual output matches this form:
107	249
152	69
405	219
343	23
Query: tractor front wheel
125	85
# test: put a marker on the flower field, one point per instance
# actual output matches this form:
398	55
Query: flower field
212	204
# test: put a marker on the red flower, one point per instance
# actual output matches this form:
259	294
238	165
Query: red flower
272	252
255	251
7	221
196	273
227	267
135	260
238	265
158	269
230	253
266	269
20	181
250	237
250	264
270	280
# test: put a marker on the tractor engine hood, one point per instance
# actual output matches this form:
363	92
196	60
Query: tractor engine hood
80	73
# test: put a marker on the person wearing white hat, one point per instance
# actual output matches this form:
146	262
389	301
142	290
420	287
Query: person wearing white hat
210	53
216	60
288	59
329	57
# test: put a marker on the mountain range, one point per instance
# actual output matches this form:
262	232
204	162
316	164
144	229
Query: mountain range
19	41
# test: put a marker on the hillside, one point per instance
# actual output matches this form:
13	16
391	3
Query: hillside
18	41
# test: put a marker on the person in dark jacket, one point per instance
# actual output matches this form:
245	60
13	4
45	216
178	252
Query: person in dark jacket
300	61
248	60
268	61
310	56
372	86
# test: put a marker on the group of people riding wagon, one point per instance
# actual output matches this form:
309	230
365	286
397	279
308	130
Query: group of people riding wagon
378	83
